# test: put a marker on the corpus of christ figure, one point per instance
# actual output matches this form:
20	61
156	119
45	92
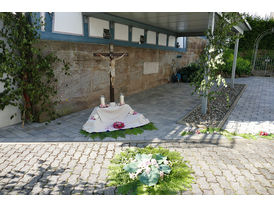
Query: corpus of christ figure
112	58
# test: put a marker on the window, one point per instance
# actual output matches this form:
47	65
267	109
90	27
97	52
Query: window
162	39
171	41
120	32
137	33
97	27
68	22
182	42
151	37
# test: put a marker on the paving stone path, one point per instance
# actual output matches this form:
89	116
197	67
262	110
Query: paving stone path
163	105
255	109
81	168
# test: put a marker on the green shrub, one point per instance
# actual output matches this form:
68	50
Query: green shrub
190	72
243	66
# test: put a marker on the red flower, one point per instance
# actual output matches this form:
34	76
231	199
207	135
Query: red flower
197	131
118	125
103	106
263	133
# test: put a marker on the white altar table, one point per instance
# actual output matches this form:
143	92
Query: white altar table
102	119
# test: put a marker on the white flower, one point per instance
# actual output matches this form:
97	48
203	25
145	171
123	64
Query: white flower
153	161
148	170
142	165
166	162
139	171
161	174
132	176
148	163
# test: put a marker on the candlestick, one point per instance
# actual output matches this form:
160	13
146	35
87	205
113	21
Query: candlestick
122	99
102	99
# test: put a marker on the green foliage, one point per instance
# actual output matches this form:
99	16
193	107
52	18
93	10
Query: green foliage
258	25
243	66
26	72
184	133
230	135
188	73
120	133
212	59
179	179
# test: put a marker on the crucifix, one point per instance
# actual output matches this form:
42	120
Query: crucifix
112	58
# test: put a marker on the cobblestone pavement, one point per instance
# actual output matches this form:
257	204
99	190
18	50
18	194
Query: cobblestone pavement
81	168
255	109
163	105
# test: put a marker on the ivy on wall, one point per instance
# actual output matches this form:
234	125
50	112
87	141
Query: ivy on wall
26	72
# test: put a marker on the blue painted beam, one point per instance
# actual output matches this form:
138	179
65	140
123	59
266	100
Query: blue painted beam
49	18
85	25
85	39
48	34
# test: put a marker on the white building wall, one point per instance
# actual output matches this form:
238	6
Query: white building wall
9	110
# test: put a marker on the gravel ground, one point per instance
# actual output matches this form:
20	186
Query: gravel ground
217	108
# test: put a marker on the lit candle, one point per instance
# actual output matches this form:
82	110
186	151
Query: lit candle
122	99
102	99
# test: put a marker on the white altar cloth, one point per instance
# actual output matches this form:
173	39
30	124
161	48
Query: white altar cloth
102	119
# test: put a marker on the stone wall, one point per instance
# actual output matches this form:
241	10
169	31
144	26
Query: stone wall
89	78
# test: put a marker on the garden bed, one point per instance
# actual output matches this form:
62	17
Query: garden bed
218	108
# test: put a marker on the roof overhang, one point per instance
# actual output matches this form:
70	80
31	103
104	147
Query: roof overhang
177	23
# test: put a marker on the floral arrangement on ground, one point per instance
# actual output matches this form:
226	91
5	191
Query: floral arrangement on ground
151	171
230	135
120	132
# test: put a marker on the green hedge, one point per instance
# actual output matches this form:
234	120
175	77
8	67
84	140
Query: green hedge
258	25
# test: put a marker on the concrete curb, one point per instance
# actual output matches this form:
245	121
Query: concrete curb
221	124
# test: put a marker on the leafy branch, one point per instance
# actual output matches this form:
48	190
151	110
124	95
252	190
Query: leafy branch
209	74
26	72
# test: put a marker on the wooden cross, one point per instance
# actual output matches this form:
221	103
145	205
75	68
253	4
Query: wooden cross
112	58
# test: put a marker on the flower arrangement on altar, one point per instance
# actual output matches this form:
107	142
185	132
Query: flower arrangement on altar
103	106
149	171
118	125
263	133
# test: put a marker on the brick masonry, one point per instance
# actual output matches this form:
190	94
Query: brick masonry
89	78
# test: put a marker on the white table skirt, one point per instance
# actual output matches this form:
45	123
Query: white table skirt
102	119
